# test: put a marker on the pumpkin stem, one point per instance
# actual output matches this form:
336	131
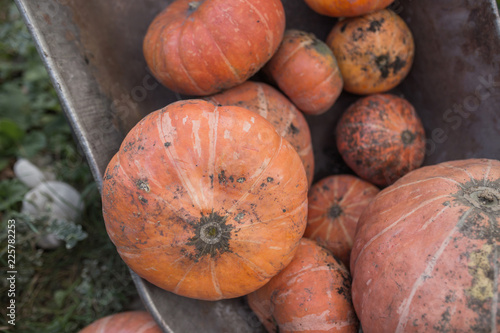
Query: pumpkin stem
193	5
212	235
485	198
408	137
334	211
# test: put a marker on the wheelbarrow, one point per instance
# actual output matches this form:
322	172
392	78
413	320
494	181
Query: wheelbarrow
93	52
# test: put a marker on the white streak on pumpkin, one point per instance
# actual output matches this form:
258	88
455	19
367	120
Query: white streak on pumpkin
265	20
401	218
404	308
215	281
395	188
257	269
281	297
446	165
194	84
314	322
347	237
246	126
432	219
313	207
129	255
103	324
291	54
325	223
305	151
227	135
244	240
375	127
223	57
349	191
196	135
487	173
304	268
178	286
165	126
263	105
289	121
303	272
147	326
359	203
212	139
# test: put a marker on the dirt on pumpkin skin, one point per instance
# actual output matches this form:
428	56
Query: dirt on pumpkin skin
481	225
375	51
381	138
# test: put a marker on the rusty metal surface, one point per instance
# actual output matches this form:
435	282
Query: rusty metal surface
93	51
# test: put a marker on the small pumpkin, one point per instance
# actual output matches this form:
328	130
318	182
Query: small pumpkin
202	47
268	102
205	201
425	257
306	70
335	204
347	8
312	294
381	138
374	52
124	322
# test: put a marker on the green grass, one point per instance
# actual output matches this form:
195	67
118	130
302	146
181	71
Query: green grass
60	290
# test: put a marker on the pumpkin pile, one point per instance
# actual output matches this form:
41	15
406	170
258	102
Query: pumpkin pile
215	197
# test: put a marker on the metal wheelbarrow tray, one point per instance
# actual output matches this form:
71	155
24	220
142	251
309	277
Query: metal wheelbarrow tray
93	51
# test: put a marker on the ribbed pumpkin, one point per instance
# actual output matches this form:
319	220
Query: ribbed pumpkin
312	294
381	138
426	254
201	47
306	70
124	322
374	51
335	204
268	102
346	8
207	202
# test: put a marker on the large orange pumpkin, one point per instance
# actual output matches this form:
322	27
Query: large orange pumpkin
124	322
207	202
381	138
306	70
312	294
374	51
346	8
201	47
335	204
268	102
426	253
